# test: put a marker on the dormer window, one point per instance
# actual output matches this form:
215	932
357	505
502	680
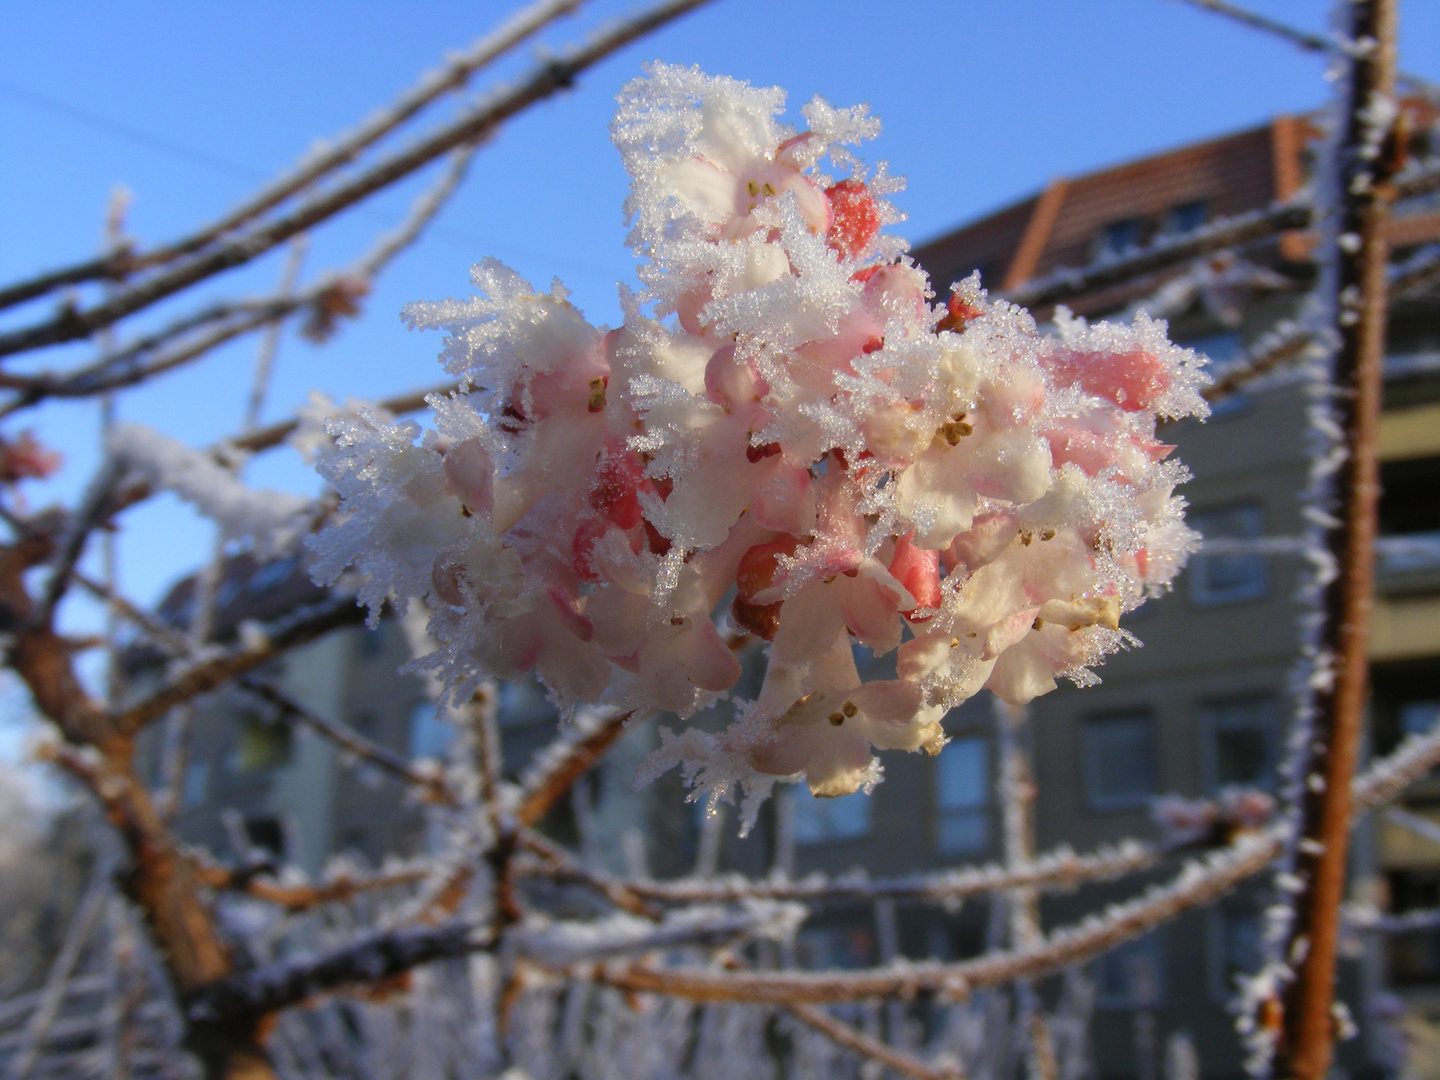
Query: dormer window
1120	237
1186	217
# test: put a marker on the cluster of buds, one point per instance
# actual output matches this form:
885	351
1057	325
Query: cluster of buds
786	434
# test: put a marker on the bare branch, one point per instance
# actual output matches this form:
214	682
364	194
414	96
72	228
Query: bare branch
476	123
1286	342
851	1038
215	325
1309	42
1163	253
52	996
1199	882
558	862
303	897
243	999
335	154
432	784
1061	869
304	625
273	435
569	757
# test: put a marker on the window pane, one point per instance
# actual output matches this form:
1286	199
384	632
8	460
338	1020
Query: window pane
1188	216
430	736
1242	737
960	832
1129	977
1119	761
830	819
1419	717
1225	579
964	780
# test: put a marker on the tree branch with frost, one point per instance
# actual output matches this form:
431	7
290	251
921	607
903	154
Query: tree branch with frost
330	155
1200	882
473	124
1056	870
867	1046
430	784
565	760
334	295
1168	251
301	626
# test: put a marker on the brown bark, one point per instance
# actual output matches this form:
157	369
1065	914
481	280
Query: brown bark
160	879
1307	1045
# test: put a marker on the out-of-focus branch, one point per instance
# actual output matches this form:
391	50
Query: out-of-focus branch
245	998
851	1038
431	784
273	435
559	863
566	759
335	153
1061	869
1315	43
57	980
1286	342
1164	253
1199	882
1416	275
1169	251
332	296
304	897
474	124
302	626
1364	161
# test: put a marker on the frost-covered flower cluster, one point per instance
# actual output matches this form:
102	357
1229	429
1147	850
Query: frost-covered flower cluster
785	434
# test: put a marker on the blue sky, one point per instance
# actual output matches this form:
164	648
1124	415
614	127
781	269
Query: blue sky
190	105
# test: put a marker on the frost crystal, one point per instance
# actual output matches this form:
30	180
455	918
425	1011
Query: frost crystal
786	427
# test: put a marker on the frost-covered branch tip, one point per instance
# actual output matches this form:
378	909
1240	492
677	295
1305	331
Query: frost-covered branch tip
786	427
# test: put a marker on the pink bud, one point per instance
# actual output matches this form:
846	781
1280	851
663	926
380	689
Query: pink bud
470	474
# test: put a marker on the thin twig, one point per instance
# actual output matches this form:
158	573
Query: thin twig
219	323
301	626
457	71
1061	869
474	124
851	1038
52	996
432	784
1315	43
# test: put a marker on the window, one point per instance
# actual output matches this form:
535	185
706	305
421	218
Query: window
1187	216
818	820
1240	742
1128	977
523	701
1409	518
430	735
1222	349
1228	579
262	745
197	783
1119	237
1419	718
1118	759
266	833
1237	947
822	948
962	796
272	574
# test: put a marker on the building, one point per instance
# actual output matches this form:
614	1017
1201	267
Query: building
1200	707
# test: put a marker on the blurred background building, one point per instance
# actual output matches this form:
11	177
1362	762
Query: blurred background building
1201	707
